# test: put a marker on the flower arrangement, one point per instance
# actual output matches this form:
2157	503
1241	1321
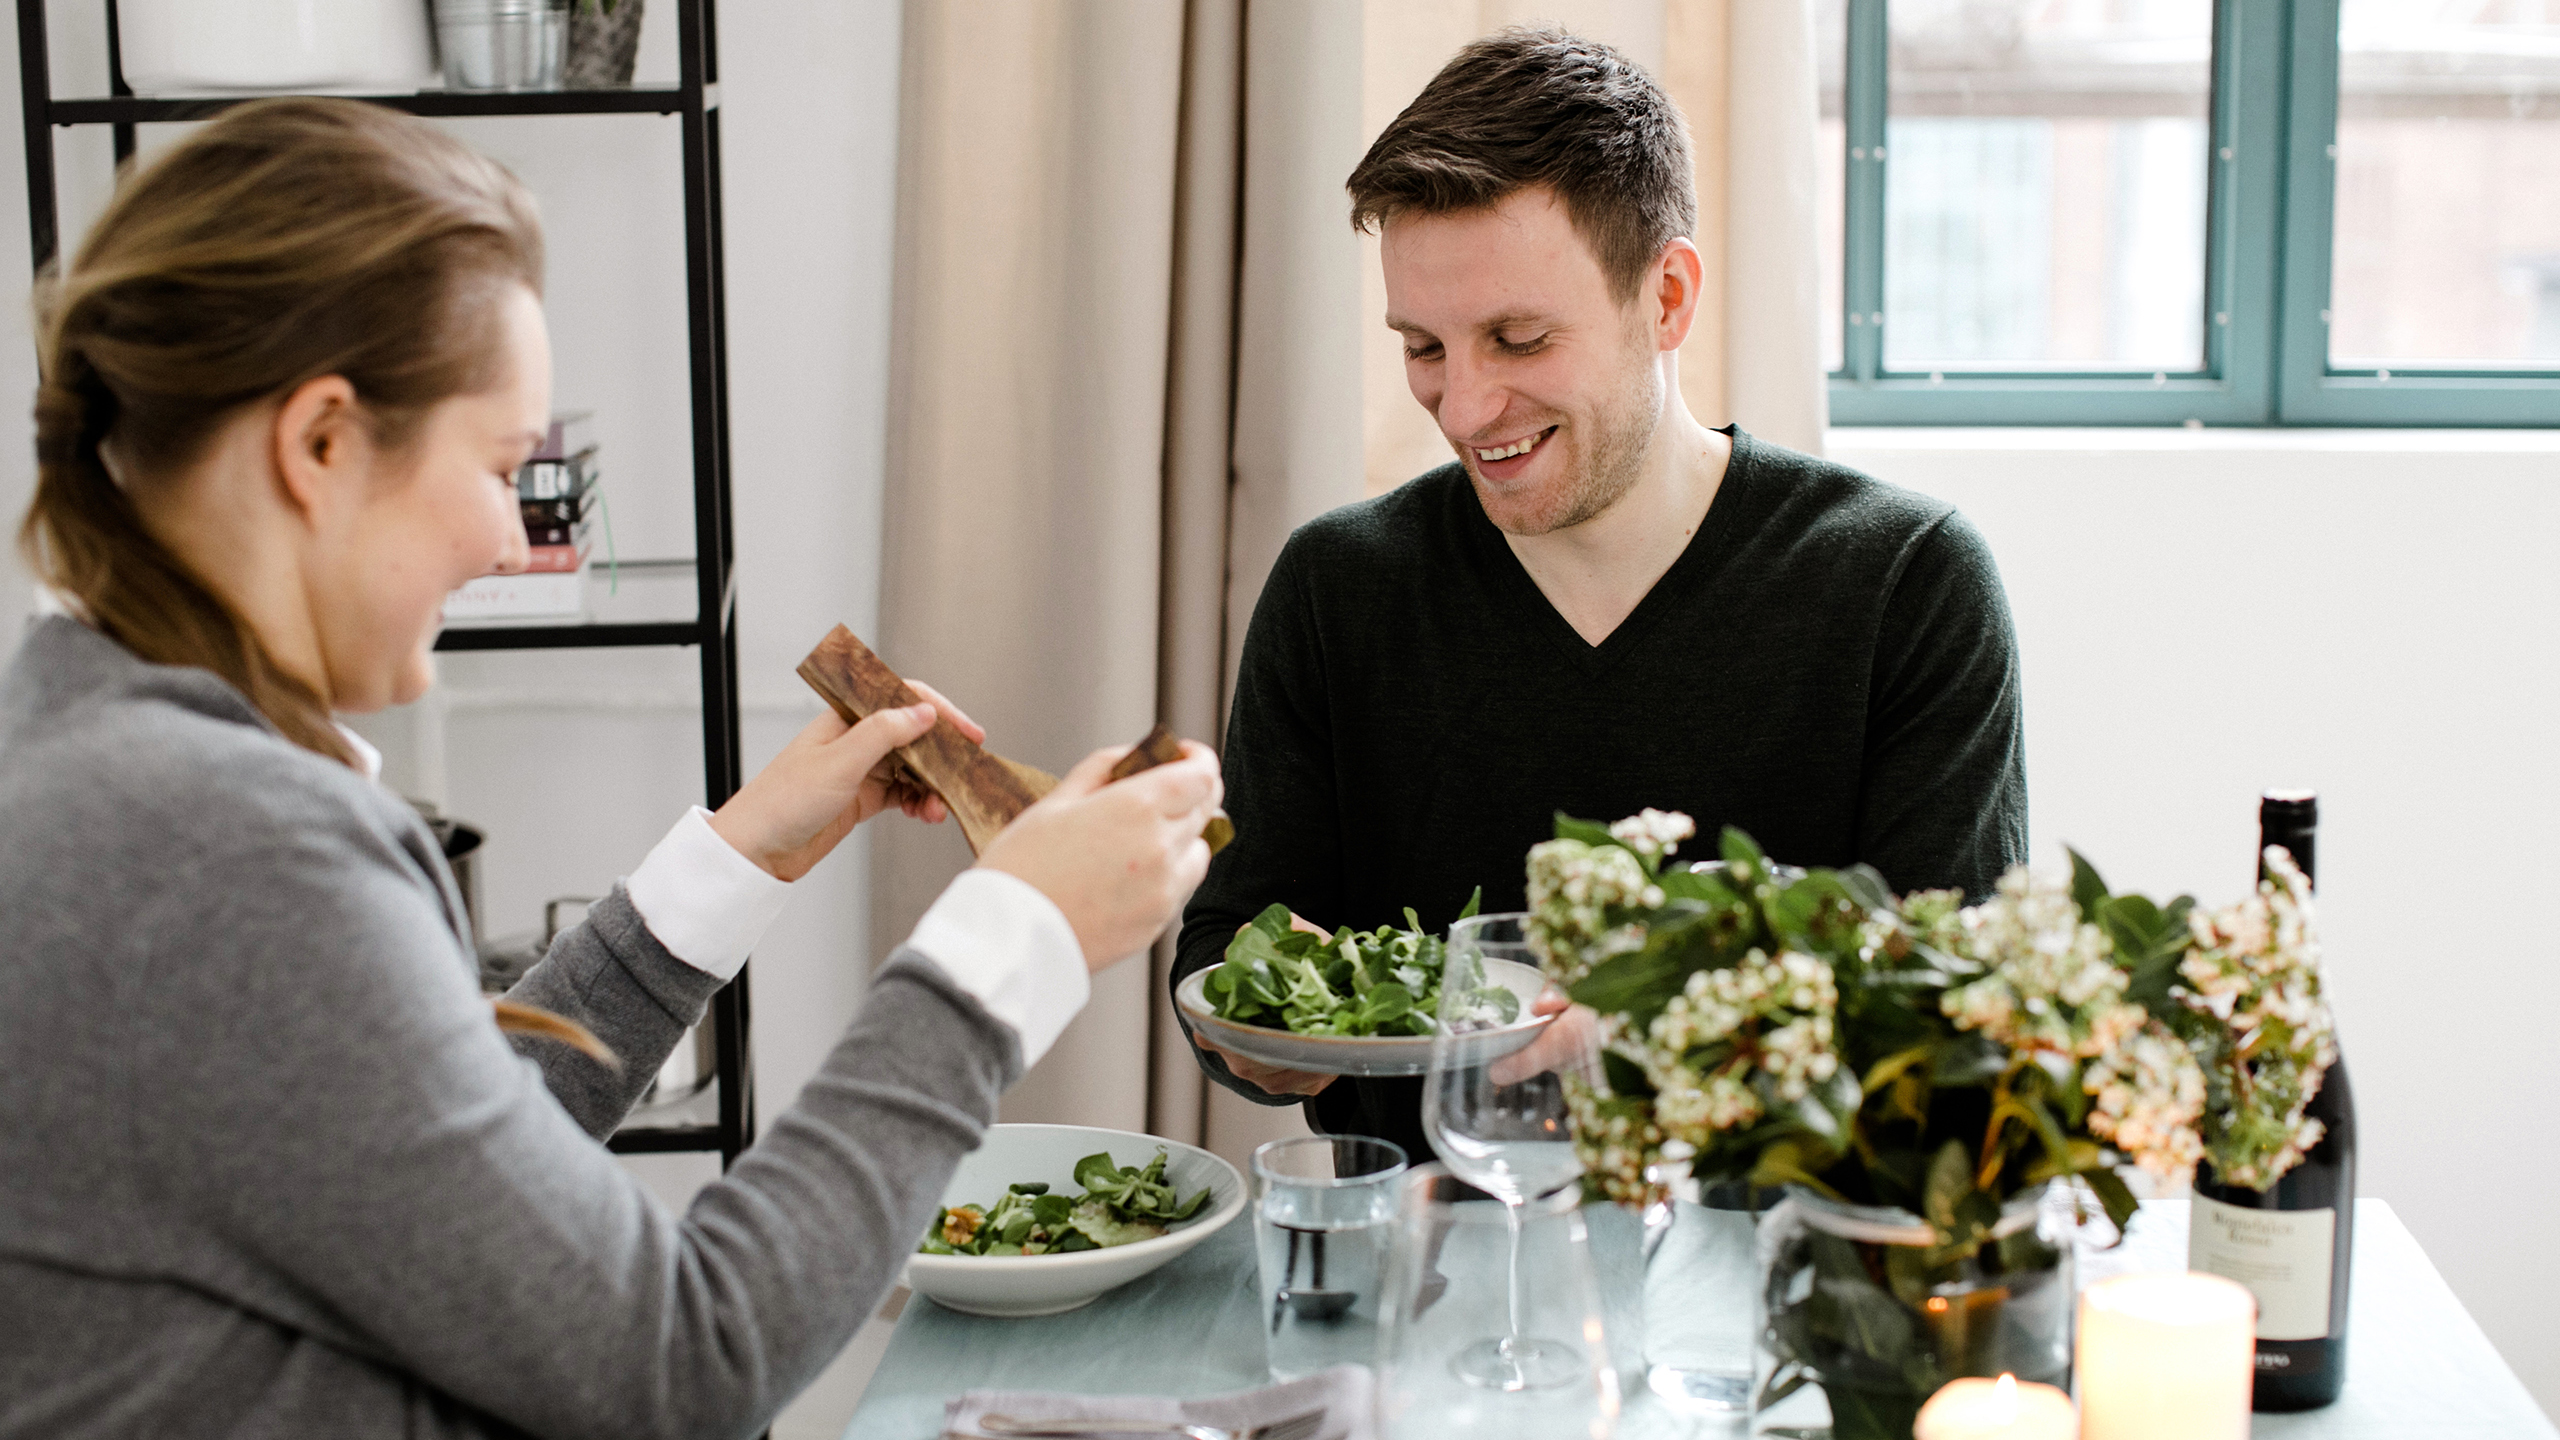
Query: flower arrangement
1944	1061
1784	1026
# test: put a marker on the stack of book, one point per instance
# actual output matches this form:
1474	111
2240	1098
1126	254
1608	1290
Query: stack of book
557	489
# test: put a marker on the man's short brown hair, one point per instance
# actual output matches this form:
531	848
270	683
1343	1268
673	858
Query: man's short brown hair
1539	107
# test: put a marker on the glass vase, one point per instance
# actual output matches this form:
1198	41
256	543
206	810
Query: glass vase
1862	1316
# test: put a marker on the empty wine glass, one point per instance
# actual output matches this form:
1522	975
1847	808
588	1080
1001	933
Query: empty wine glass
1500	1122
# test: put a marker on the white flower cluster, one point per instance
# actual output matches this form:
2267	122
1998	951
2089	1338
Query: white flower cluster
2147	1095
2255	965
1617	1144
2053	984
1653	833
1778	1013
1579	899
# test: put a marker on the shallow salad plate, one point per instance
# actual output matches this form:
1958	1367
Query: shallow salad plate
1363	1054
1011	1285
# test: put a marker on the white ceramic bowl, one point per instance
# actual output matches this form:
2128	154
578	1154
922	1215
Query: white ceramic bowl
1364	1054
1008	1285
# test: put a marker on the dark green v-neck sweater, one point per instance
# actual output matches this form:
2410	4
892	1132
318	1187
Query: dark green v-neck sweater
1828	665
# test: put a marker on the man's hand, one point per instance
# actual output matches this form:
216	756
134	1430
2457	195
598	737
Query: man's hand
1570	1044
1271	1079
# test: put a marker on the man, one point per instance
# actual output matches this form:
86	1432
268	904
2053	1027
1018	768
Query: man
1603	605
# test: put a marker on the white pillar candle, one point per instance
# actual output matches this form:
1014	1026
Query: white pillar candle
2002	1409
2166	1357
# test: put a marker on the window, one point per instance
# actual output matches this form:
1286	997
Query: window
2166	211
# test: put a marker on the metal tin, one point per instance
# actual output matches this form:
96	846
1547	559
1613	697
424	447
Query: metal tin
502	44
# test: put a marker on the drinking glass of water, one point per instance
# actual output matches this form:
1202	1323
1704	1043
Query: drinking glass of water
1501	1124
1324	1209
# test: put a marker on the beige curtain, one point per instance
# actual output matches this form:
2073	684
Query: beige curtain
1136	343
1126	367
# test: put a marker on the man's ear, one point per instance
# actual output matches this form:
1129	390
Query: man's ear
314	442
1677	277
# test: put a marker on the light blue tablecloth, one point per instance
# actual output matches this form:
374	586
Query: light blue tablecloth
2418	1367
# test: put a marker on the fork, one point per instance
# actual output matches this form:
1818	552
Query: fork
1293	1427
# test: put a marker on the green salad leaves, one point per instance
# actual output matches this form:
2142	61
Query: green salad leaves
1384	982
1118	1207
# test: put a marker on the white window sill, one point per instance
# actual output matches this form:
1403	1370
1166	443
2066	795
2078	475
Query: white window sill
1844	440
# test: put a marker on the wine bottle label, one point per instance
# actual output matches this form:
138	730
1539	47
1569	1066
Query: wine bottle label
2283	1256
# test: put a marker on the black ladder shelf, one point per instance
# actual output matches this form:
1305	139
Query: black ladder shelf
712	630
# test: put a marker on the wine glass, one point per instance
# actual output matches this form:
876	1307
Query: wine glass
1500	1122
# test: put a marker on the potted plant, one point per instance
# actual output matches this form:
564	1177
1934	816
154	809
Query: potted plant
1935	1086
604	44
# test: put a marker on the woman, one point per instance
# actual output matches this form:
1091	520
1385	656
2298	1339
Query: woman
269	1166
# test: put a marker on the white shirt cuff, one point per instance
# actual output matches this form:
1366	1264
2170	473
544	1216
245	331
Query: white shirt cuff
1012	949
705	902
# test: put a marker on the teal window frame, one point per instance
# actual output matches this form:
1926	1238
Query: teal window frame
2267	246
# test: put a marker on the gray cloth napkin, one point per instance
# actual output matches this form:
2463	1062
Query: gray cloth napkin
1343	1393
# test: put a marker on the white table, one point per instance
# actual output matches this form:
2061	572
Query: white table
2418	1368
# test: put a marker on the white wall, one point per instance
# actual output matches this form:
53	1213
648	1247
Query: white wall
2205	614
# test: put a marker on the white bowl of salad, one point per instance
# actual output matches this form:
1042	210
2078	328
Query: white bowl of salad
1044	1218
1358	1003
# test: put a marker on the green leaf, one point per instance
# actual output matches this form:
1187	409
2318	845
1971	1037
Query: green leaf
1743	853
1636	984
1475	902
1785	1163
1096	1220
2087	890
1625	1076
1950	1180
1976	1213
2114	1194
1097	1170
1589	832
1385	1003
1867	887
1273	923
1783	1381
1968	1058
2056	1144
1882	1073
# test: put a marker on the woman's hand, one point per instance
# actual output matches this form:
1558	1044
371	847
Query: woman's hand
830	778
1118	858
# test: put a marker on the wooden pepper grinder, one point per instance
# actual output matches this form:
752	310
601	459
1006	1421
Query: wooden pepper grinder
982	789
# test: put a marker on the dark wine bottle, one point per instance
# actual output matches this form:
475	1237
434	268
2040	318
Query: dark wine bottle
2291	1244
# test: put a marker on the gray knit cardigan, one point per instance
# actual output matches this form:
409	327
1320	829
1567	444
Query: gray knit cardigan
268	1169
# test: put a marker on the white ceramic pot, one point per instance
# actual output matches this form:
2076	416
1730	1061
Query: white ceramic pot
186	47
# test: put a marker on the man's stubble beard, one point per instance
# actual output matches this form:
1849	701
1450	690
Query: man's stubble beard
1623	431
